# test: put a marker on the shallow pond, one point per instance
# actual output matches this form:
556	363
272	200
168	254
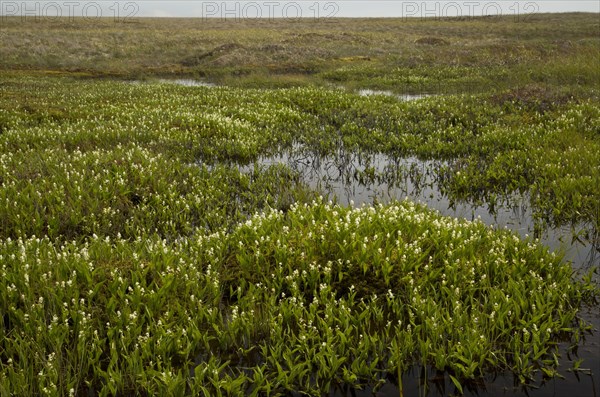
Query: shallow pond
402	97
188	82
353	179
183	82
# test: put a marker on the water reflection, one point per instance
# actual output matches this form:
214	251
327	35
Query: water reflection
183	82
402	97
352	178
187	82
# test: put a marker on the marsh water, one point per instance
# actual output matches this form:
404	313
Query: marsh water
351	178
402	97
357	179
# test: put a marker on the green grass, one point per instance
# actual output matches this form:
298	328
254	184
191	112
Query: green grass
319	296
138	255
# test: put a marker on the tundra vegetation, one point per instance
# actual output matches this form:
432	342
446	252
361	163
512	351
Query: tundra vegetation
147	247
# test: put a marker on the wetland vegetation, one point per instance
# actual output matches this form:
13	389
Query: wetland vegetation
164	239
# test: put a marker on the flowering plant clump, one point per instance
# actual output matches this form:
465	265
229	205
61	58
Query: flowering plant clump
318	296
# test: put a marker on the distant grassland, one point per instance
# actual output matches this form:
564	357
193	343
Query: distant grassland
560	51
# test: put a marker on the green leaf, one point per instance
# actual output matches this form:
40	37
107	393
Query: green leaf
456	383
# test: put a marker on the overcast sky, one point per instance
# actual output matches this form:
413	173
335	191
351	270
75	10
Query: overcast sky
290	9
